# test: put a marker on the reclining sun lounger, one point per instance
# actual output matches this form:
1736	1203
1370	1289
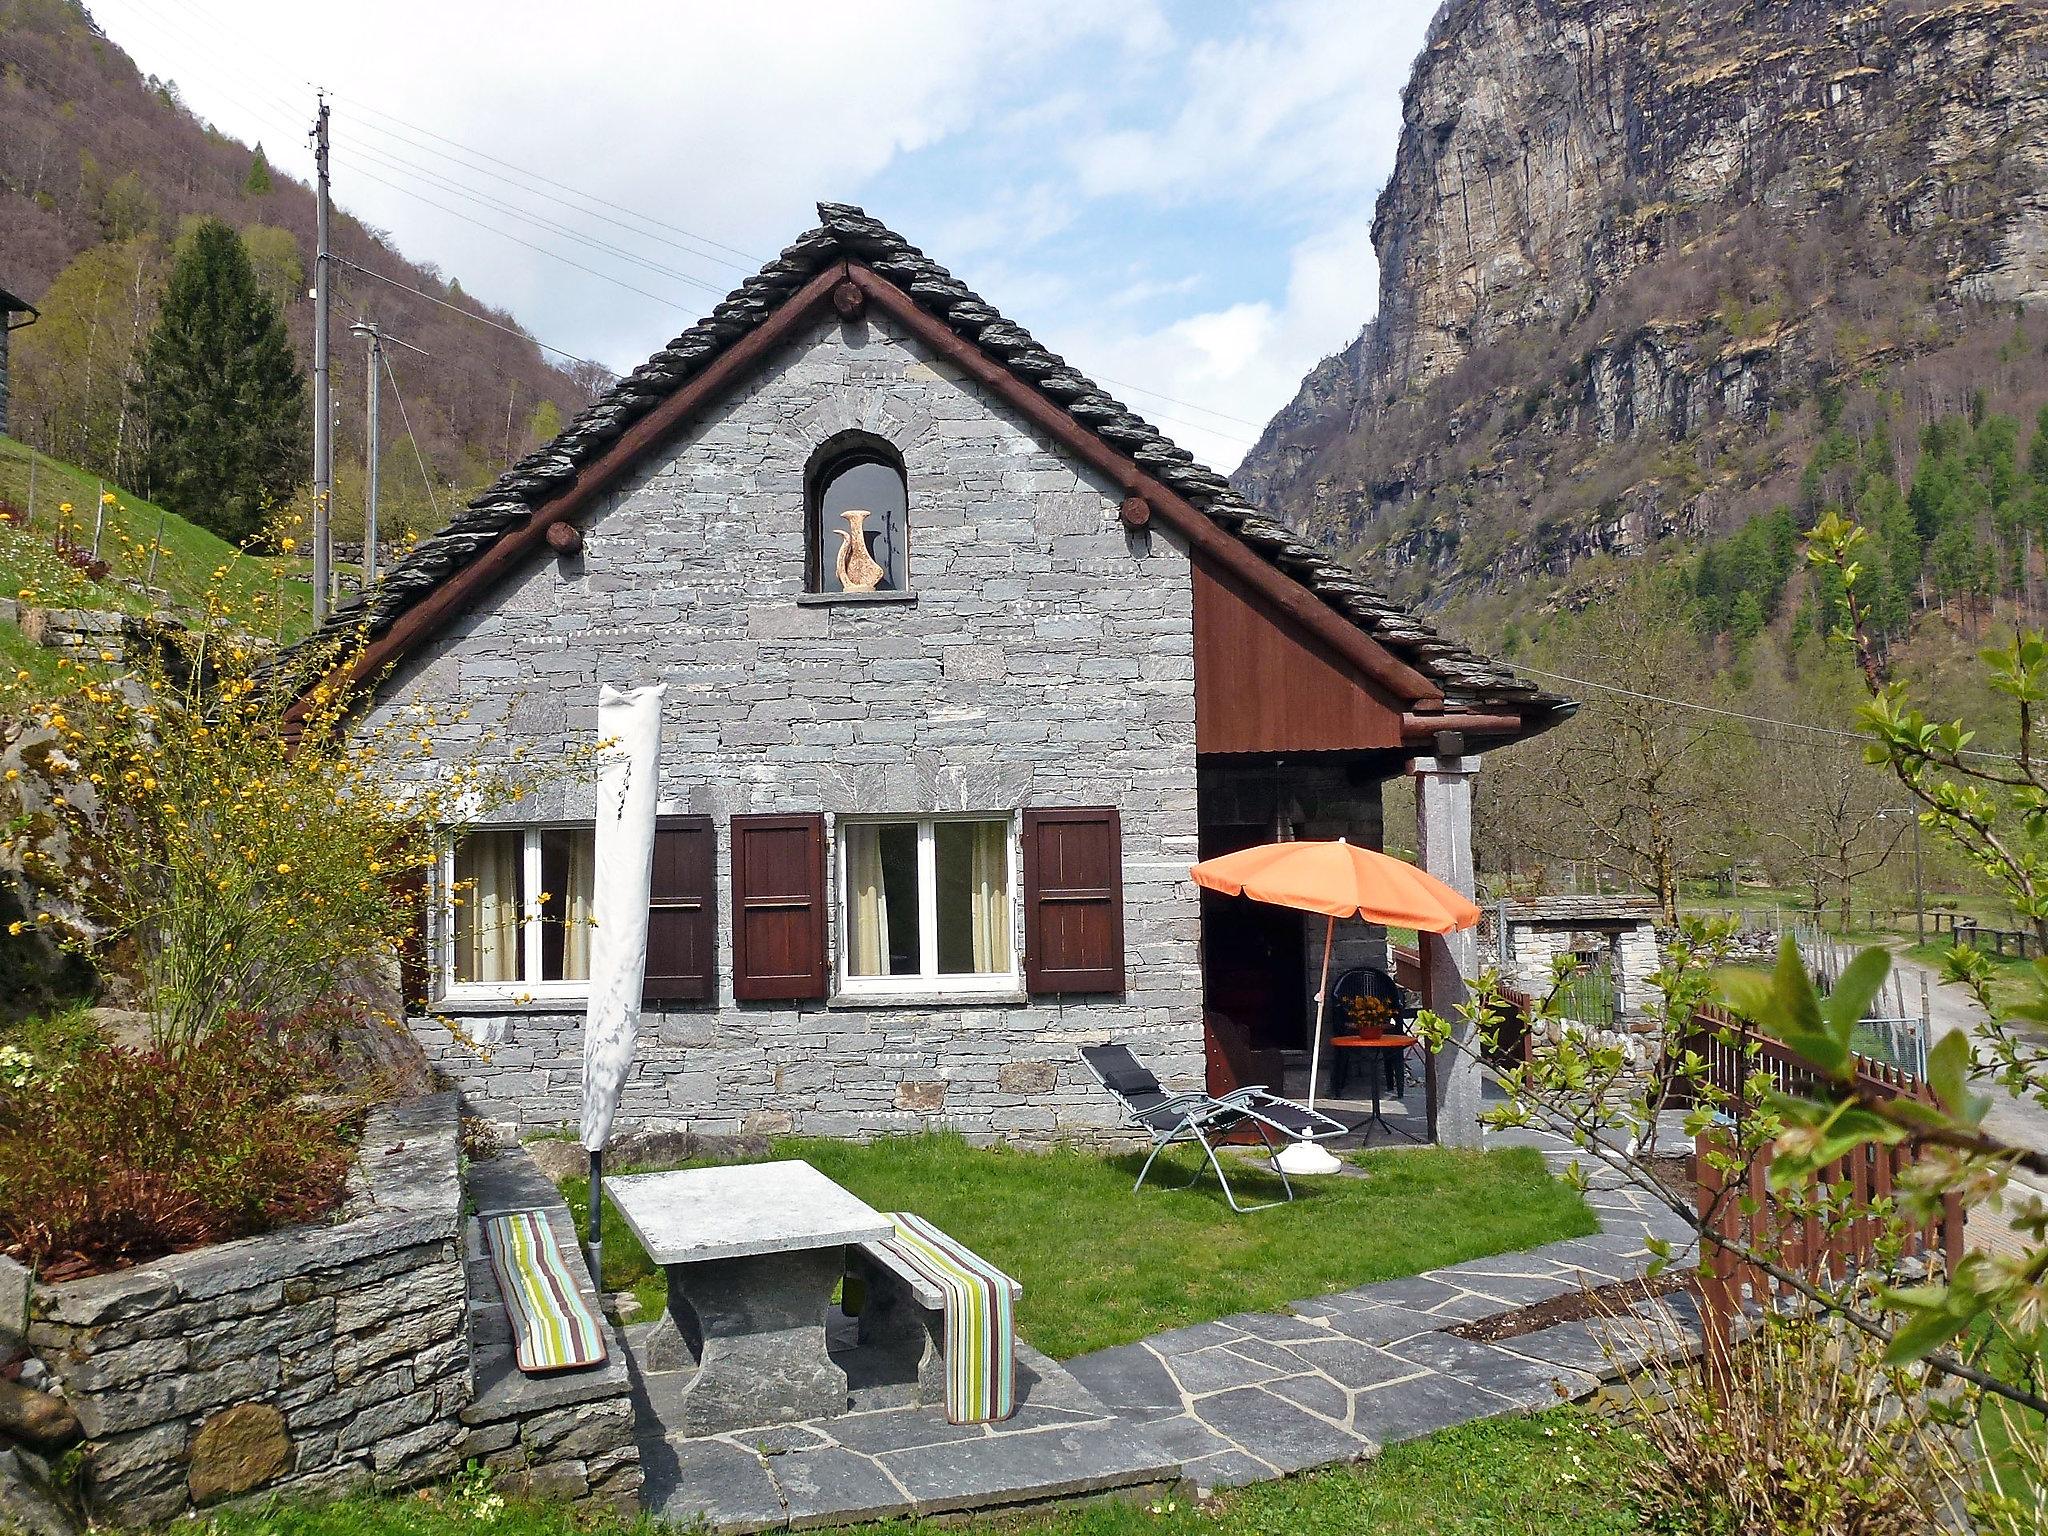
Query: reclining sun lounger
1171	1117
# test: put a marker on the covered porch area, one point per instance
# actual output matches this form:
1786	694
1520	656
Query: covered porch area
1302	729
1262	965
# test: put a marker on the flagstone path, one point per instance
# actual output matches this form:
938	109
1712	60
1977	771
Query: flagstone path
1334	1378
1257	1395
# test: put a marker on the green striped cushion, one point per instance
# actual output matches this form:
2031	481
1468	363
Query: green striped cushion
981	1334
553	1328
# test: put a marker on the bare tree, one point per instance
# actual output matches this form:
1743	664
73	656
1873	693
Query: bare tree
1644	787
1828	815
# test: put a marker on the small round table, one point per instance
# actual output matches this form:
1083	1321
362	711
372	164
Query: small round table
1371	1043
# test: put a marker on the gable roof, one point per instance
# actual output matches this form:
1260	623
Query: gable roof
9	304
847	260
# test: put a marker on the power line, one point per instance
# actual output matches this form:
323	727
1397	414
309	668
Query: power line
469	314
1256	426
442	183
401	167
522	186
411	437
747	257
505	234
1731	714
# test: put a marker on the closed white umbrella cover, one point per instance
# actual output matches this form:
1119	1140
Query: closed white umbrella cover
621	867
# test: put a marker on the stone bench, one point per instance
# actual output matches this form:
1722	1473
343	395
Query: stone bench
902	1311
568	1435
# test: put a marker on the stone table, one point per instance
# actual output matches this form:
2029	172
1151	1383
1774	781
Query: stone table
752	1253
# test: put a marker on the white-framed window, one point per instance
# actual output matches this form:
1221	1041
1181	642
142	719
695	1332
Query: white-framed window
515	913
927	904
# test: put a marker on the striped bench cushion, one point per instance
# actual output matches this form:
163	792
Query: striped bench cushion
981	1332
553	1327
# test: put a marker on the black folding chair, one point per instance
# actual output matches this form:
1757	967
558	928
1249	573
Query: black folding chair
1198	1117
1370	981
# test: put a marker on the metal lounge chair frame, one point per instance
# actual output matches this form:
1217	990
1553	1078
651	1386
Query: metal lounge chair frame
1202	1118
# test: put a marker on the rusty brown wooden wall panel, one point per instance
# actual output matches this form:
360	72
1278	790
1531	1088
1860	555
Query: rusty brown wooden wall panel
1263	685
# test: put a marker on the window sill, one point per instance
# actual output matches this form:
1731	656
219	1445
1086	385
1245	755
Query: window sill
927	999
480	1007
851	599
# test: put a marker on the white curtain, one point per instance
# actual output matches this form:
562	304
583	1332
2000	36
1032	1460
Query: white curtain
867	904
576	908
989	890
488	870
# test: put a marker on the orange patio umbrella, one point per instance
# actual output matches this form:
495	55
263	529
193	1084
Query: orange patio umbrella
1336	879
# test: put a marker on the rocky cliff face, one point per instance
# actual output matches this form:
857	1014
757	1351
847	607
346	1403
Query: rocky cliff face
1627	241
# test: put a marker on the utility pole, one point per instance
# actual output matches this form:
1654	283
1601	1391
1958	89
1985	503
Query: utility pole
367	329
1919	891
1919	888
372	437
323	410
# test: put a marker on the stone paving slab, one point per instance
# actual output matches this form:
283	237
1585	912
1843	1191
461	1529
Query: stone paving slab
1328	1379
906	1461
1376	1364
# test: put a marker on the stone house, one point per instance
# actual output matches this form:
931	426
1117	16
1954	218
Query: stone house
923	838
10	307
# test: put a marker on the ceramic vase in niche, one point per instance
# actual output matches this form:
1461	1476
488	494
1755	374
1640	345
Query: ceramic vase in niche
857	569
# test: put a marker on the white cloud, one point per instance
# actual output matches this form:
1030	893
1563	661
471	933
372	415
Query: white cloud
1239	363
1295	103
1172	197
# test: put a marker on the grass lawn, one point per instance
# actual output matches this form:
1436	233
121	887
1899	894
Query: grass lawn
1554	1474
1102	1266
184	566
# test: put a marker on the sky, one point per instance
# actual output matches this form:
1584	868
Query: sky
1175	196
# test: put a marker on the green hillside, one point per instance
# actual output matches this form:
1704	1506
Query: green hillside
189	563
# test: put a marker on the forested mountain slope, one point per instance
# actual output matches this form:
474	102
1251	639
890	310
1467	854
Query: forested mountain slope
1652	268
101	168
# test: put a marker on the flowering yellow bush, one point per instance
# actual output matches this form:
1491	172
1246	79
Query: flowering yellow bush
232	837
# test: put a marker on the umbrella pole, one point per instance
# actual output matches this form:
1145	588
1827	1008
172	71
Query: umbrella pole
1305	1156
594	1225
1315	1045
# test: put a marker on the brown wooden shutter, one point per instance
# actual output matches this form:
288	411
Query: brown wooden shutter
415	974
1073	900
778	907
682	920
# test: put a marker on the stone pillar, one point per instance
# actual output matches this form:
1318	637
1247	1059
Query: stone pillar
1443	825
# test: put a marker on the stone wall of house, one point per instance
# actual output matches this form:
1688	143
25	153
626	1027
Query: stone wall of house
1046	659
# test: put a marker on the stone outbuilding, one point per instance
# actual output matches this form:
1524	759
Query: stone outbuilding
966	664
1613	935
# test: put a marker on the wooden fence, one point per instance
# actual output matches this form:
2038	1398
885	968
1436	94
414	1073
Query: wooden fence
1838	1221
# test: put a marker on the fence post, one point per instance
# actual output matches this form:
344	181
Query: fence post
1718	1300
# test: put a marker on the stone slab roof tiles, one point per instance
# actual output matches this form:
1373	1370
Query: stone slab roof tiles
847	233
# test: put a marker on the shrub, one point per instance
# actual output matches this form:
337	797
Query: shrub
233	836
111	1155
1803	1432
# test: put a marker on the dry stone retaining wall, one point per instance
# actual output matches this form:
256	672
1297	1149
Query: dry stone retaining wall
309	1361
